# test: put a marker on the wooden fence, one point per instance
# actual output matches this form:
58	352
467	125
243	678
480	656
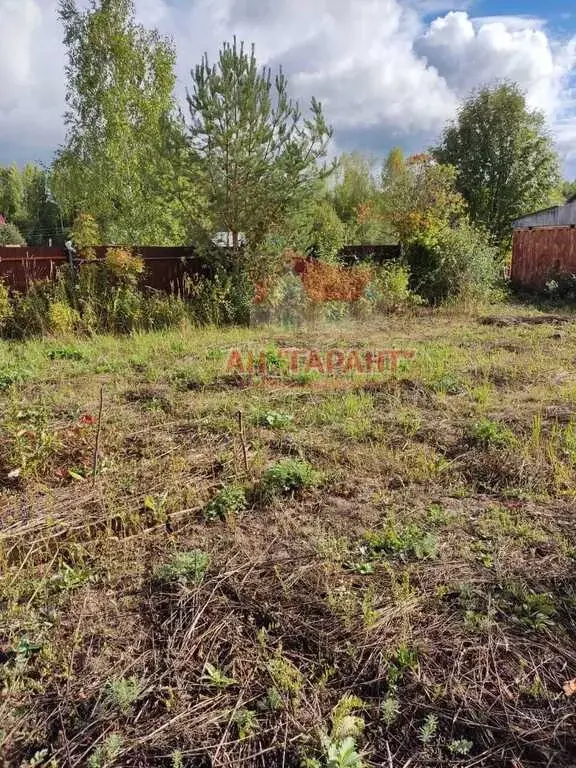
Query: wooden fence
167	269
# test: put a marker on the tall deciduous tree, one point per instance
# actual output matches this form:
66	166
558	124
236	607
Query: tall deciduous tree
26	201
259	154
116	165
394	166
420	200
355	186
505	159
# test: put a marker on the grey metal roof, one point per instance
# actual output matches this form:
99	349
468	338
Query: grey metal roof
556	216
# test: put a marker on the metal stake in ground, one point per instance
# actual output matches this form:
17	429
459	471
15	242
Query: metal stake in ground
97	444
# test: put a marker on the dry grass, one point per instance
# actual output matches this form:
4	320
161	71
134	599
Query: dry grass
430	573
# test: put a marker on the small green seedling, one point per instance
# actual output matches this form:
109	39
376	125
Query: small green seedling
227	503
105	755
274	419
247	723
492	434
460	747
428	730
289	476
215	677
390	710
184	568
122	693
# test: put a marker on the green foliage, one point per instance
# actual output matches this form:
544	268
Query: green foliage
227	503
164	311
10	375
103	296
492	433
273	419
344	722
389	289
25	200
405	541
184	567
313	228
421	201
11	235
247	723
390	710
342	754
533	610
85	234
215	677
460	747
505	159
5	306
258	154
429	729
109	751
289	476
459	264
62	318
123	693
393	168
286	677
225	299
355	186
123	152
65	353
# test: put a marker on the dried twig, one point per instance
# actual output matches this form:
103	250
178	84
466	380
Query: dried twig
243	441
97	443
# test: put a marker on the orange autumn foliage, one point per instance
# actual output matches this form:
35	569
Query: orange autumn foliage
331	282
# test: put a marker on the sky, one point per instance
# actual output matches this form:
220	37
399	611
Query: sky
388	72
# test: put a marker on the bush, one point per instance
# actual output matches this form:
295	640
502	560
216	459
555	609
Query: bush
10	235
284	301
461	264
225	299
124	265
389	289
5	307
62	318
162	311
561	287
31	311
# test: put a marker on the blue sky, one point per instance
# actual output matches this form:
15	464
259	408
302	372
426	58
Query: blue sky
387	71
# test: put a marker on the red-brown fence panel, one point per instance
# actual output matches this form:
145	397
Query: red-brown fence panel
21	266
540	254
167	269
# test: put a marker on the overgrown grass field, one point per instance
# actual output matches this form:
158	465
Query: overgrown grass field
369	570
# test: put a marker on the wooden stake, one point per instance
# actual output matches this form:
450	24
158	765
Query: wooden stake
243	441
97	445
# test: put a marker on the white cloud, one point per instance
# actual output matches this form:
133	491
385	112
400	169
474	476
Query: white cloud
383	72
31	79
470	54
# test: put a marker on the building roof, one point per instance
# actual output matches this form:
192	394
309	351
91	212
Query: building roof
556	215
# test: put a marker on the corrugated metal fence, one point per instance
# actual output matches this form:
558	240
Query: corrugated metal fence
167	269
540	254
